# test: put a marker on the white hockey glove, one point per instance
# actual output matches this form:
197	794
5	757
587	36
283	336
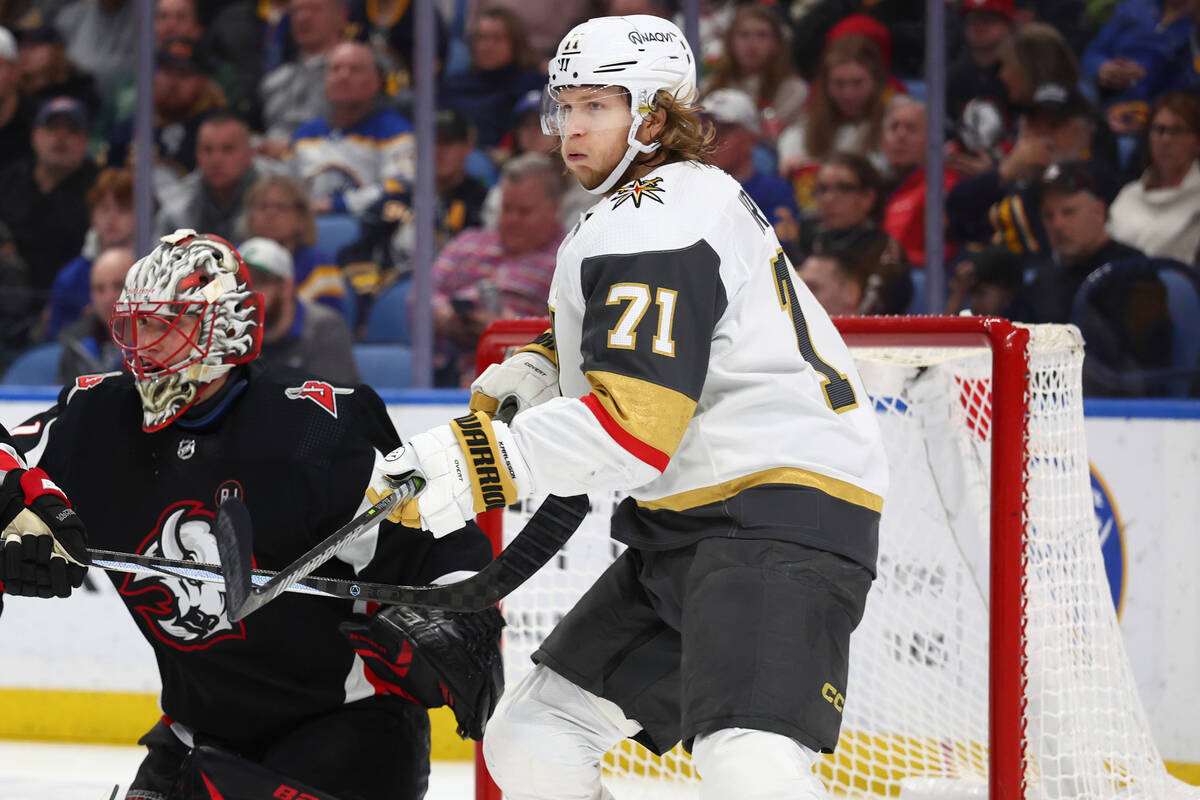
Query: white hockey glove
520	381
471	465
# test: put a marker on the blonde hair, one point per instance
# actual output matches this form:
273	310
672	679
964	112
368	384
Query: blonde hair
685	136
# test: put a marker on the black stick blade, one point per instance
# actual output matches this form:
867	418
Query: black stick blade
235	545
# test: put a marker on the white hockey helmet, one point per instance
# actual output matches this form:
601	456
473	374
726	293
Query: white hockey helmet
186	316
641	54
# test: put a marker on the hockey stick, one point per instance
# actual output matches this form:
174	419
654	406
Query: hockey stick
546	532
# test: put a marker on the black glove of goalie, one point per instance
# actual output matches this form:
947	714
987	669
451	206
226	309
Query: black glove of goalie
437	657
43	545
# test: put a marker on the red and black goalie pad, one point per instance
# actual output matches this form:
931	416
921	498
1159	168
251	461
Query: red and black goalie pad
211	773
29	563
437	658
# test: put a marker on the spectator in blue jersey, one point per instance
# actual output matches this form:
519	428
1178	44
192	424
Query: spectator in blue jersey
347	157
88	348
735	122
277	208
502	70
1140	52
110	208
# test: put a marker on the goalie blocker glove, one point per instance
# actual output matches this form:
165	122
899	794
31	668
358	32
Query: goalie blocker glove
467	467
43	544
437	658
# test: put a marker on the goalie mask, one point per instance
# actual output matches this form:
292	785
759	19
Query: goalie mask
639	55
187	315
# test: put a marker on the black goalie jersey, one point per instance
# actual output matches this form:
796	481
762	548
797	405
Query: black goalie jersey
299	453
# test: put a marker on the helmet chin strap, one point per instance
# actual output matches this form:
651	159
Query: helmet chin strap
635	147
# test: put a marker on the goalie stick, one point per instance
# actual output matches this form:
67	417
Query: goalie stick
546	532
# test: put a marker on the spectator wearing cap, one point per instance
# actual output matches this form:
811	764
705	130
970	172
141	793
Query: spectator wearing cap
43	197
1140	52
184	95
998	204
297	334
1160	212
210	199
903	147
989	283
294	92
736	125
1073	200
100	37
362	149
484	275
756	60
277	207
14	117
386	245
975	74
47	72
88	347
110	210
503	68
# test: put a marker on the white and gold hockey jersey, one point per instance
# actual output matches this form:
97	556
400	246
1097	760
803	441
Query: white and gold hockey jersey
700	375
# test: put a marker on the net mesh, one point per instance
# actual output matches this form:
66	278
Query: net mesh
916	710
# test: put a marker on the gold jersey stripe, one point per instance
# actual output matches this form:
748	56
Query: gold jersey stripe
793	476
652	414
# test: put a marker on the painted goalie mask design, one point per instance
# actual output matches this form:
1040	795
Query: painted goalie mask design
187	315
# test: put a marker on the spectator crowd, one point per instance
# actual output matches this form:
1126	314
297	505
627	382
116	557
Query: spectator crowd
1070	176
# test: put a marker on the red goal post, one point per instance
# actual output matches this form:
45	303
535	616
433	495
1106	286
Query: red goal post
996	400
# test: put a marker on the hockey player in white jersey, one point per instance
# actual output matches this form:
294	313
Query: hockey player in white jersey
689	367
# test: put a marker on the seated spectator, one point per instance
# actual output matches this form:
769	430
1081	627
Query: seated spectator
294	92
1035	55
757	61
100	36
975	74
277	208
14	115
848	191
879	260
862	24
1073	198
389	30
184	95
296	333
88	348
387	241
18	303
1160	213
545	21
903	147
346	159
210	199
47	72
1139	53
835	281
248	37
989	282
43	198
503	69
482	275
110	208
844	115
735	122
998	204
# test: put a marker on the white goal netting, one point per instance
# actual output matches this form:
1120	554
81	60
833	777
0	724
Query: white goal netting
916	721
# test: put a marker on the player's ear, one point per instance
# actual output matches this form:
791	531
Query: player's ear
652	125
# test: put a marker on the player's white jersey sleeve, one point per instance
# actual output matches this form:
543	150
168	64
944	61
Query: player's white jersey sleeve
693	362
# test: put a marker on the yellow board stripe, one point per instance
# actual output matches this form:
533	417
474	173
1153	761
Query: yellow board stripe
62	715
793	476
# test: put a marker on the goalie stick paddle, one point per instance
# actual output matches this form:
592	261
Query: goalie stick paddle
546	532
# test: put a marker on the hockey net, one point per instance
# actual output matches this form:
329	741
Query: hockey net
988	662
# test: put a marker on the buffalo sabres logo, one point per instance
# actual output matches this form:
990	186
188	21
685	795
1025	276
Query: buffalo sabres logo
320	393
185	614
639	190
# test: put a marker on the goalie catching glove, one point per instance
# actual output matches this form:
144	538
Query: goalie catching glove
43	545
469	466
437	658
519	382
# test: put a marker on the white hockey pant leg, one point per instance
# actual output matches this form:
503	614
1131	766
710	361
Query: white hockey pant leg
755	765
547	739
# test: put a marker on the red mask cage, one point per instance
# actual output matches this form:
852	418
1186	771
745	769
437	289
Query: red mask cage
159	338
